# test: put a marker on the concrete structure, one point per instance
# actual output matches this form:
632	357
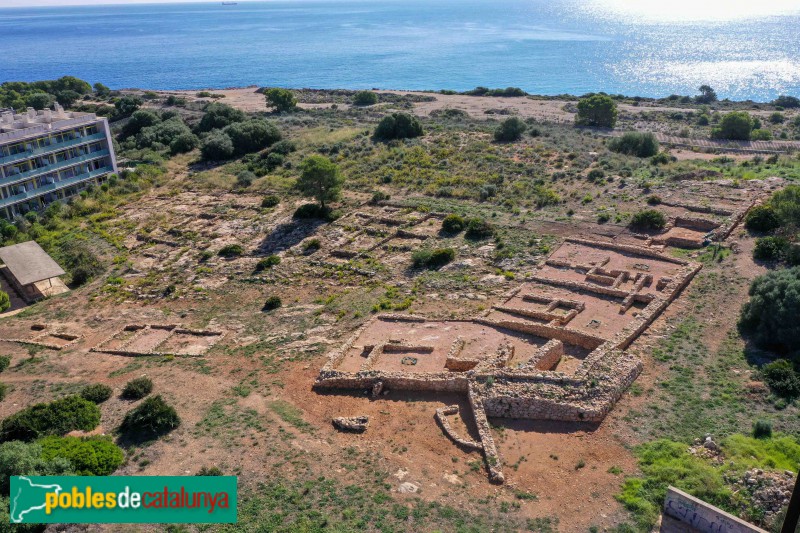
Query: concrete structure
51	155
32	273
694	515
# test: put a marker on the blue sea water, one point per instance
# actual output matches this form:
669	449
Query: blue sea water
542	46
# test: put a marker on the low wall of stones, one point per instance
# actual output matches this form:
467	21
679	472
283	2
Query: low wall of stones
547	356
427	381
627	248
441	416
566	335
699	208
493	463
697	224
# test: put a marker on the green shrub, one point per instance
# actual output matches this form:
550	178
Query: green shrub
762	429
379	196
762	218
777	118
280	99
596	174
270	201
786	204
267	263
89	456
453	223
244	179
770	248
433	258
218	116
54	418
5	301
272	303
478	228
185	142
602	218
510	130
3	391
5	362
649	219
97	393
598	110
217	147
782	378
315	211
653	200
661	158
137	388
311	246
252	135
398	126
231	250
283	147
363	98
761	135
209	471
152	418
635	143
21	458
735	125
770	317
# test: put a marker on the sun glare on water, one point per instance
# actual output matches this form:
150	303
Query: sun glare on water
693	10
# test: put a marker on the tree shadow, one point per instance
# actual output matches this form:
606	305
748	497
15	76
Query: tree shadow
287	235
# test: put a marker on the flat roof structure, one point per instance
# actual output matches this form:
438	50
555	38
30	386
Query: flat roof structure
29	263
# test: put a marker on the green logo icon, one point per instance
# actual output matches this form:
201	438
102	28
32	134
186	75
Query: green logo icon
122	499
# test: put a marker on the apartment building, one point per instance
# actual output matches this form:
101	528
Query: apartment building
49	156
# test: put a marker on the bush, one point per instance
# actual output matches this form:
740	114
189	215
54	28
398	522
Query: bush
137	388
217	147
478	228
80	262
314	211
267	263
595	174
5	301
270	201
770	317
25	459
770	248
777	118
379	196
54	418
5	362
218	116
649	219
786	204
281	99
185	142
209	471
231	250
661	158
3	391
736	125
598	110
782	378
365	98
762	429
97	393
284	147
510	130
252	135
311	246
434	259
635	143
272	303
398	126
453	223
786	101
760	135
89	456
762	218
244	179
653	200
152	418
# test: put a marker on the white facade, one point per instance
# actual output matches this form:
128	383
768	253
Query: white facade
51	155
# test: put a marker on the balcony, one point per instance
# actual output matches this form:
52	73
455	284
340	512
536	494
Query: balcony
16	178
52	148
44	189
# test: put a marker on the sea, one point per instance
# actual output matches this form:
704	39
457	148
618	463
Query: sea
744	50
